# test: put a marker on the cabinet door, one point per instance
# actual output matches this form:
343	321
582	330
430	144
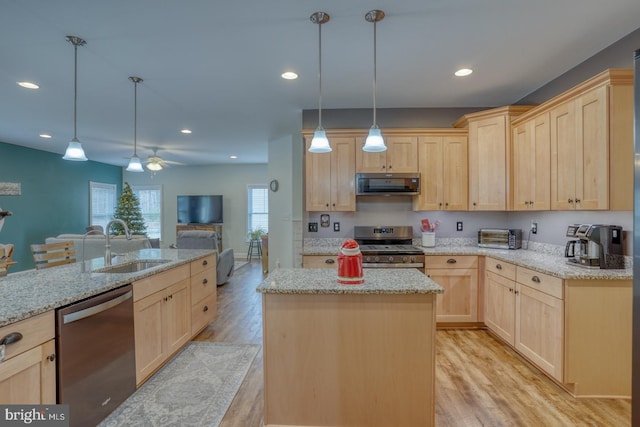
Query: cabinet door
592	151
459	303
30	377
430	161
317	180
522	173
563	156
402	154
539	329
149	328
540	163
343	185
499	315
488	164
178	315
455	174
370	162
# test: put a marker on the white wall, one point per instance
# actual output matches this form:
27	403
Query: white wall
281	251
229	180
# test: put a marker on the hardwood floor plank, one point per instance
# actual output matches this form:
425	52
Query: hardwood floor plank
479	380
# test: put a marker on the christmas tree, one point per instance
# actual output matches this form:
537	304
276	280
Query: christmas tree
128	210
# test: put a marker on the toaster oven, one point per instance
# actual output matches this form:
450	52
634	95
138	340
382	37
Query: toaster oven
500	238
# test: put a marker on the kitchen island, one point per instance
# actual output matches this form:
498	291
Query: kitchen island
337	355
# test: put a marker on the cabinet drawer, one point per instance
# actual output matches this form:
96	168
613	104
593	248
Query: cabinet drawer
320	261
501	268
543	282
152	284
202	264
444	261
35	331
202	313
202	285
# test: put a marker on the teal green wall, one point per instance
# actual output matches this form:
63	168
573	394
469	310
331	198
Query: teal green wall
54	199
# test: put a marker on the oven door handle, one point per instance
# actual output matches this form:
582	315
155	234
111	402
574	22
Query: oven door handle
392	265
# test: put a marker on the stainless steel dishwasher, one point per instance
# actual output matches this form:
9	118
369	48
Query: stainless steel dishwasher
96	356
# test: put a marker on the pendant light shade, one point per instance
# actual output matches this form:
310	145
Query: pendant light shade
374	142
320	143
74	149
135	165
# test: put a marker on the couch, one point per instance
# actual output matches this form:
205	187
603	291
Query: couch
95	244
200	239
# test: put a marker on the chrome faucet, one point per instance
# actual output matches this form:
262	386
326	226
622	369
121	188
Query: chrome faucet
82	267
107	252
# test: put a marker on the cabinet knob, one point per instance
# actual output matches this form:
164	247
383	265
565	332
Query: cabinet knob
11	338
205	281
570	200
526	203
384	166
329	261
390	167
205	262
440	204
51	357
451	261
531	203
516	292
535	279
498	266
510	289
577	201
474	203
205	308
446	204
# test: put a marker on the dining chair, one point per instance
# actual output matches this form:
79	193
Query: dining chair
53	254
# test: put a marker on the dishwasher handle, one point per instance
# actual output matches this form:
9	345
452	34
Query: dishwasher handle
91	311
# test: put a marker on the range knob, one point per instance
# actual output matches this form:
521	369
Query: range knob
376	259
413	259
390	258
404	259
367	259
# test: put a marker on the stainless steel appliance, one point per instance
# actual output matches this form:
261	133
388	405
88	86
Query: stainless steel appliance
96	356
387	184
388	247
595	246
500	238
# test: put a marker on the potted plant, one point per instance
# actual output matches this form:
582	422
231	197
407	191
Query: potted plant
255	234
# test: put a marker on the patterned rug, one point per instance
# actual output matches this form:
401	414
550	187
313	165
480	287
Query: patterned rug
195	388
237	264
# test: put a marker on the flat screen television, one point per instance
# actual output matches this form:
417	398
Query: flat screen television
200	209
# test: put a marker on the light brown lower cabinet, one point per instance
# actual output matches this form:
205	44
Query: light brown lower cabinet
28	373
458	275
203	293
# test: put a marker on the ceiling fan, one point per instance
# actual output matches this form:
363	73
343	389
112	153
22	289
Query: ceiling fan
156	163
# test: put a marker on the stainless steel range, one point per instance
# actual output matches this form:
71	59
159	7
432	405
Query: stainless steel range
388	247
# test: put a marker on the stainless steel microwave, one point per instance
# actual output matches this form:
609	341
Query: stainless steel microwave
387	184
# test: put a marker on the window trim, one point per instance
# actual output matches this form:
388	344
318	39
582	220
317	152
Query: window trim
103	186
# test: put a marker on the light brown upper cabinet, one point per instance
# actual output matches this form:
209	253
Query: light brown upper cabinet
401	155
490	157
531	164
330	177
442	160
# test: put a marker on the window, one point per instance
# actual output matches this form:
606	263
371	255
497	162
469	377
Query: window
258	208
150	198
102	203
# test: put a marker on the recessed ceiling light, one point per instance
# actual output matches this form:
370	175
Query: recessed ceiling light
45	136
462	72
233	157
289	75
186	131
28	85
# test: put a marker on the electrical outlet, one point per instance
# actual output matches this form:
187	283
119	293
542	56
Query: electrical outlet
336	226
534	227
459	226
313	227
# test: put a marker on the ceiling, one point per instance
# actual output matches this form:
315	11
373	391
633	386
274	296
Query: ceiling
214	67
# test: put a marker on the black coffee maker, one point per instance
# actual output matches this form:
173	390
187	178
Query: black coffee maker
595	246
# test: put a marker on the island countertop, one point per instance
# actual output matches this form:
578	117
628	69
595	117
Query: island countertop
31	292
324	281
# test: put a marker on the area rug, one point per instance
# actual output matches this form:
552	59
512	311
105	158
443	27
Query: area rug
239	264
195	388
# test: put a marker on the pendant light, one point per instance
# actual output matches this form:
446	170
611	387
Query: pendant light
74	149
374	142
135	165
320	143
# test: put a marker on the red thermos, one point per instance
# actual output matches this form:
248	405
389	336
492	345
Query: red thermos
350	264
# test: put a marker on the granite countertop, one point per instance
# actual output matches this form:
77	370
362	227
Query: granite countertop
324	281
31	292
552	264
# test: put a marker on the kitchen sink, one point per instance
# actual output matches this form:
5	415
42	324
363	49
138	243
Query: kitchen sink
131	266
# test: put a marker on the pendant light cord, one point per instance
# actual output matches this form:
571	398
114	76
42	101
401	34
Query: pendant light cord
374	75
320	75
135	117
75	93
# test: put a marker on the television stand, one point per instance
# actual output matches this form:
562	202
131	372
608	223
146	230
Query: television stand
206	227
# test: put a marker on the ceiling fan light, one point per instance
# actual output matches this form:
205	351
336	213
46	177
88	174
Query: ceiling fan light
154	167
319	143
75	152
135	165
374	142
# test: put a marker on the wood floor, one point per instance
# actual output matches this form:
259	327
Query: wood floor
479	380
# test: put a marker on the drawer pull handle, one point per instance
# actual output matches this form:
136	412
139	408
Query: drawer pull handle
205	262
517	292
51	357
451	261
498	266
11	338
205	281
329	261
205	309
535	279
